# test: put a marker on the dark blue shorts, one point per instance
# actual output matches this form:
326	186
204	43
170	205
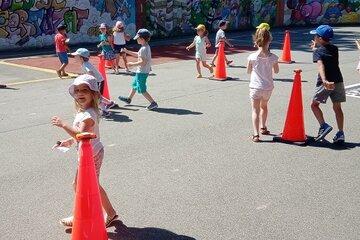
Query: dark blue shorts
117	48
63	57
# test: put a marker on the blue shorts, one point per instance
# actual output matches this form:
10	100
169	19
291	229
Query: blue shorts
117	48
139	82
63	57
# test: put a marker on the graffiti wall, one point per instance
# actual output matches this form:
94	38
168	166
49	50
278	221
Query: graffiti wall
302	12
175	17
33	23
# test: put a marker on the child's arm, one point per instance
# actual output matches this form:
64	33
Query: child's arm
140	62
328	85
313	45
249	67
190	46
228	42
207	41
85	126
276	68
134	54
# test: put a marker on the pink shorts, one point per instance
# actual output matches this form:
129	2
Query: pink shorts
257	94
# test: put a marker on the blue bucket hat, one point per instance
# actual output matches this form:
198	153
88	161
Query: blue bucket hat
324	31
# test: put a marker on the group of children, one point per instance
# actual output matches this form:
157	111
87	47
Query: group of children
87	88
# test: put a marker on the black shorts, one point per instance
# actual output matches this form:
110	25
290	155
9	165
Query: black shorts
117	48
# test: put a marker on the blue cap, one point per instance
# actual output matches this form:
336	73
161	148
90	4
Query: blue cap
143	33
324	31
83	52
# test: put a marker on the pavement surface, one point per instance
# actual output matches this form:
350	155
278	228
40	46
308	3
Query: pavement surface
188	170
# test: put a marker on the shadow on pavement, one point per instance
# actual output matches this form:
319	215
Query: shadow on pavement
117	117
286	80
123	232
326	144
9	88
176	111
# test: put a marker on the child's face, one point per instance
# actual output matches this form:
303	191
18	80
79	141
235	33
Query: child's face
83	95
223	27
140	41
319	40
200	32
63	31
103	30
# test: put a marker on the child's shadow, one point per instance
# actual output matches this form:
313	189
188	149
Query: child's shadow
176	111
117	117
123	232
339	147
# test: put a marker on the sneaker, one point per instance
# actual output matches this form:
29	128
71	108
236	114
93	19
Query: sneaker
339	137
152	106
125	99
3	86
324	130
110	105
105	114
229	62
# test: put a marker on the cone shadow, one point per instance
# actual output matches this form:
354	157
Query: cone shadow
122	232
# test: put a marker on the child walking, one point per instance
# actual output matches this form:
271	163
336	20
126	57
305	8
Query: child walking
120	38
261	66
85	92
201	42
220	37
82	55
143	68
61	47
329	82
105	45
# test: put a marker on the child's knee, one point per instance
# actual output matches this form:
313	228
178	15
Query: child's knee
315	104
337	107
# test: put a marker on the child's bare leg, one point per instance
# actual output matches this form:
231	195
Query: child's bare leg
215	56
117	60
148	97
198	66
131	94
315	107
255	103
106	204
207	66
263	113
62	68
339	116
125	61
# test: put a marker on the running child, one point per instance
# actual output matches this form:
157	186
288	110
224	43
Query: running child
201	42
82	55
329	82
261	66
220	37
105	45
61	47
120	38
85	92
143	68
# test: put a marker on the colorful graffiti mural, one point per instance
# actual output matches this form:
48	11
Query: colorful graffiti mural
32	23
167	17
302	12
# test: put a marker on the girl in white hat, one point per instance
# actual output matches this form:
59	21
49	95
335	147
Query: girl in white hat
120	38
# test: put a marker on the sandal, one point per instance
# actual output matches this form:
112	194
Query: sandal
58	73
264	131
255	138
110	220
67	222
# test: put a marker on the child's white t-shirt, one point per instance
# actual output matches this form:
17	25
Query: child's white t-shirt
262	71
145	54
119	38
219	35
82	116
90	69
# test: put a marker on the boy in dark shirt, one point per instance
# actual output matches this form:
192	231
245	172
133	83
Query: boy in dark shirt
329	82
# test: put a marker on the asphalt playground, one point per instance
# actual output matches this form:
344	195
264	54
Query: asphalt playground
189	169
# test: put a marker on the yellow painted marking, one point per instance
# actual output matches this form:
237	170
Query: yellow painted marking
33	68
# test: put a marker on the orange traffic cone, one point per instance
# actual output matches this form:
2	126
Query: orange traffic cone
101	67
89	221
220	69
286	55
294	130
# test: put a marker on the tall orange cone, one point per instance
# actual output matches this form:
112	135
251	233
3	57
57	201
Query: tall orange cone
286	55
220	69
101	67
294	130
89	221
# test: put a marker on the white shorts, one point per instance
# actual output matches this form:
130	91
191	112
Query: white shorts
201	56
258	94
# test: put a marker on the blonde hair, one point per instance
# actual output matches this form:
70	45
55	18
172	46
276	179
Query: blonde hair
94	103
262	37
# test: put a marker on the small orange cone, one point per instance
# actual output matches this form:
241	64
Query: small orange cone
89	221
101	67
294	130
220	69
286	55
